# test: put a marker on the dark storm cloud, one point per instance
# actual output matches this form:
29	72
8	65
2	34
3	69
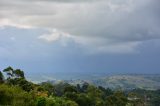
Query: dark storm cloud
101	25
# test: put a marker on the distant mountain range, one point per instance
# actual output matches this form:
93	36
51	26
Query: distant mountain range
120	81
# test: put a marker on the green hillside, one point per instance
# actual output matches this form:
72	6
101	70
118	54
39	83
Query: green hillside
149	82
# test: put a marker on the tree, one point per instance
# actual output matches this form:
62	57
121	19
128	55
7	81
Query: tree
106	92
84	100
18	73
84	87
16	77
1	77
24	84
117	99
95	95
71	95
70	88
48	87
11	73
9	70
70	103
41	101
78	88
59	88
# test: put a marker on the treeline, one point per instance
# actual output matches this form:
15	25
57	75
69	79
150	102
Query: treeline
15	90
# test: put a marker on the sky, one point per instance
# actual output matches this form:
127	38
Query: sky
82	36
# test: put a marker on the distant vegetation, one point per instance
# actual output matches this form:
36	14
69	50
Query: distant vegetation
15	90
129	81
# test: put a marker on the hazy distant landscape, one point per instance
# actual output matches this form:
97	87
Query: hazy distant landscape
119	81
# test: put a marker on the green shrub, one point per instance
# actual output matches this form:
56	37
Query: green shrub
41	101
15	96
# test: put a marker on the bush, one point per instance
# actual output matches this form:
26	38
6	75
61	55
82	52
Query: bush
15	96
41	101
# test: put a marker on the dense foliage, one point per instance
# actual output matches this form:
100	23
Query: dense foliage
15	90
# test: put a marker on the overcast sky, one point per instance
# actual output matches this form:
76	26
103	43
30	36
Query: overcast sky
112	36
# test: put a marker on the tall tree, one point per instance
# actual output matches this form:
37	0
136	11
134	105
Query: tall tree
9	70
11	73
18	73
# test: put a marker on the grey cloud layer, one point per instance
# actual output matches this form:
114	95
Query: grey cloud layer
105	25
